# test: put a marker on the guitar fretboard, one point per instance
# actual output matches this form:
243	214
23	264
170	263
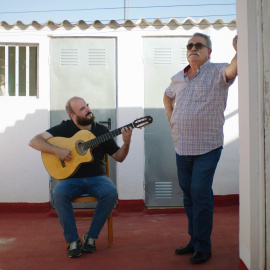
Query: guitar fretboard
105	137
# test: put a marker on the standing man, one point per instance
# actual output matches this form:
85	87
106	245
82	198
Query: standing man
90	178
194	103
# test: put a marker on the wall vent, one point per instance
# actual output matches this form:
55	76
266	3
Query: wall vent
69	57
163	190
183	56
162	56
96	57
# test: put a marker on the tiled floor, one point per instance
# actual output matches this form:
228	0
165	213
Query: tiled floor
141	241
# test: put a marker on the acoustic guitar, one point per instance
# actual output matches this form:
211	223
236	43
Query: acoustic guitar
81	145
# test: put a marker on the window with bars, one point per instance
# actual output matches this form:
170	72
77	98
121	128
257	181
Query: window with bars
18	70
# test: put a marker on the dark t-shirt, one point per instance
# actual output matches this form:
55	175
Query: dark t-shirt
98	166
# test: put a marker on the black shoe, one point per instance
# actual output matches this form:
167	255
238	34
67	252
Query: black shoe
87	246
200	257
75	249
185	250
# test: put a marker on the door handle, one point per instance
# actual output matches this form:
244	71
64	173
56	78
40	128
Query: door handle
109	123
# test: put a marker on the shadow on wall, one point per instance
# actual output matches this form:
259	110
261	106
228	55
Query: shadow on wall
161	164
23	177
227	173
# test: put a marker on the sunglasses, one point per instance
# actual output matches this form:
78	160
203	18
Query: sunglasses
198	46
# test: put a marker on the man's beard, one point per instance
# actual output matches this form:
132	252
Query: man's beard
83	121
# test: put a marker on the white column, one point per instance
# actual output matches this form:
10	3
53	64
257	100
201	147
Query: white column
252	197
130	173
266	59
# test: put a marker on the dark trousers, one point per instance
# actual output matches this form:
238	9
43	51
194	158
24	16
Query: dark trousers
195	176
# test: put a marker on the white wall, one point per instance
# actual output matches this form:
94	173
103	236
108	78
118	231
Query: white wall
22	176
226	179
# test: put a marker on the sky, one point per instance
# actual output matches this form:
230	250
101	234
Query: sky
105	10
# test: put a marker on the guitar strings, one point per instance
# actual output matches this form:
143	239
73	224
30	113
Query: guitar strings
104	137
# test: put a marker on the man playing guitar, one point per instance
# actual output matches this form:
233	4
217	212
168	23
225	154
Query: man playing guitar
86	178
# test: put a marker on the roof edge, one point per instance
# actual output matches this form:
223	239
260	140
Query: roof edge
143	23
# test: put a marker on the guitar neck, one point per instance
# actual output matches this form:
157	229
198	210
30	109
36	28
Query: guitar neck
105	137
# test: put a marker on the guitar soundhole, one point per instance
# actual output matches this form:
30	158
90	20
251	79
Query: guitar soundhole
80	147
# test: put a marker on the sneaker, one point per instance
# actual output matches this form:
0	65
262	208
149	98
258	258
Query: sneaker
87	246
75	249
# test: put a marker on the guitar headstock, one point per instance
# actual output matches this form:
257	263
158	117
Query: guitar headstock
143	122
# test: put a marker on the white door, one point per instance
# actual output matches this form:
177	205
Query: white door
84	67
163	57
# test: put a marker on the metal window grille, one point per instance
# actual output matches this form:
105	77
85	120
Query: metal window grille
18	70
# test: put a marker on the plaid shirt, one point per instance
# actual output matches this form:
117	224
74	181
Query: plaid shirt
198	115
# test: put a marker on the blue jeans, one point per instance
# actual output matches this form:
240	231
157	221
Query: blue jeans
66	190
195	176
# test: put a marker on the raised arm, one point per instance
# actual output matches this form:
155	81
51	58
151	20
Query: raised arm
121	153
39	142
231	69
